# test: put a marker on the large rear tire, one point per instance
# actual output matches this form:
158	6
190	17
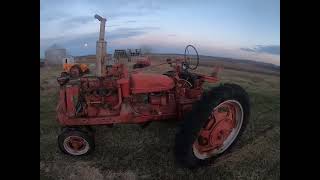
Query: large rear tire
213	126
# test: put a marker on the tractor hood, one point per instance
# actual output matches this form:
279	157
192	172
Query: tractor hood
147	83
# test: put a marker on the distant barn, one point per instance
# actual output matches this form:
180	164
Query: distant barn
55	54
121	56
134	52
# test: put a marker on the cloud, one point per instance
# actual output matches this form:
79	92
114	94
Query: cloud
128	32
74	44
131	21
269	49
56	19
248	49
114	25
77	20
60	9
149	5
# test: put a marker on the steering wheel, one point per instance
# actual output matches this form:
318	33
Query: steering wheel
188	57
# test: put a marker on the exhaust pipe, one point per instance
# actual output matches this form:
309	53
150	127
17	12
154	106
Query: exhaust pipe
101	46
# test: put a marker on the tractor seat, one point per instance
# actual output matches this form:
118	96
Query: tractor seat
147	83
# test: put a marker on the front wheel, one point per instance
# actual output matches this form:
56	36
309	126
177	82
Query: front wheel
215	123
76	142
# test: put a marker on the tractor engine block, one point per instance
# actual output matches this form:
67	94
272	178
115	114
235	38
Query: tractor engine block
153	103
99	96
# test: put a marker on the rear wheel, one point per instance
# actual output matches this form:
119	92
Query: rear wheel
76	142
215	123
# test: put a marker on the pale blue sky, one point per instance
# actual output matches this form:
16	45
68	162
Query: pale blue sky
247	29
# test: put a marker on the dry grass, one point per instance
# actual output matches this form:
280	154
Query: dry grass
129	152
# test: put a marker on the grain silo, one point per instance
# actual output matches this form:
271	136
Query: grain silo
55	54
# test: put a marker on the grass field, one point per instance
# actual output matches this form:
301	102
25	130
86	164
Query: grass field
129	152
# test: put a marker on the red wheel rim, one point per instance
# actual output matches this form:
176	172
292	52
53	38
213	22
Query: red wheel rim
220	131
76	145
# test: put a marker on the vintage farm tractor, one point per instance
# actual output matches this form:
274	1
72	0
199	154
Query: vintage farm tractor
211	120
74	70
141	62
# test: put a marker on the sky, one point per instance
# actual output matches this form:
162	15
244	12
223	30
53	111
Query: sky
244	29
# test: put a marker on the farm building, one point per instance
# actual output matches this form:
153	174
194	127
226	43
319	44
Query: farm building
55	54
68	59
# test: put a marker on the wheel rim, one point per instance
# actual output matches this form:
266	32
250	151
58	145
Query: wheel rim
76	145
222	128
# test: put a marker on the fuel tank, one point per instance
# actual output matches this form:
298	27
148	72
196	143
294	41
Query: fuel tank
148	82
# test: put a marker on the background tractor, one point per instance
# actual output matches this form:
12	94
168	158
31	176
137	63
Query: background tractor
74	70
211	121
141	62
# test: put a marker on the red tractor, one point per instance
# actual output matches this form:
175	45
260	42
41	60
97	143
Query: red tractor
141	62
211	121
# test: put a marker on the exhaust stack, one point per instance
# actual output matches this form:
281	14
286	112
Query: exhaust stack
101	46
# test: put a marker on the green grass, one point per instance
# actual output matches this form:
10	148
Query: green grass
129	152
